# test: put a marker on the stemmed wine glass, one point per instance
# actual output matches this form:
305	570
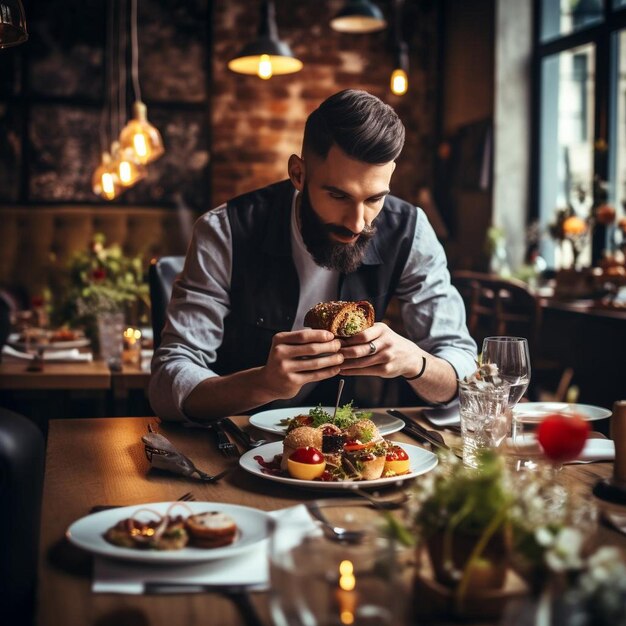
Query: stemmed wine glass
512	357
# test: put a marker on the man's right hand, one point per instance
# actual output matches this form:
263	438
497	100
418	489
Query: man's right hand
299	357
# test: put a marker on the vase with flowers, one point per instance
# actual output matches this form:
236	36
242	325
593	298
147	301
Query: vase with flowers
98	281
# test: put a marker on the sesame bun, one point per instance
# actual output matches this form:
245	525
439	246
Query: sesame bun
364	430
302	437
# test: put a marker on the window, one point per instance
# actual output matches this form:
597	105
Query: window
580	141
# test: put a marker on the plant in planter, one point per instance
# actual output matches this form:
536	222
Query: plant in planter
461	517
101	280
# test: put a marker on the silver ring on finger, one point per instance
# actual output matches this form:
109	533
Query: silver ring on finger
372	347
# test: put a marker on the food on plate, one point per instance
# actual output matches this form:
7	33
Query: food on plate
306	463
65	334
302	437
210	529
330	453
341	318
397	460
318	416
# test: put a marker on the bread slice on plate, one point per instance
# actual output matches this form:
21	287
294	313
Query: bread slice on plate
211	529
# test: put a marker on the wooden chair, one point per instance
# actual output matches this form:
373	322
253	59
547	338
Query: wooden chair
499	306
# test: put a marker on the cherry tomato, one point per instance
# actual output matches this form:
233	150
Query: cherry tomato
396	453
308	454
562	437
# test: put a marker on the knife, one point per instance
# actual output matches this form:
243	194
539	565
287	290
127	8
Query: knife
237	432
412	427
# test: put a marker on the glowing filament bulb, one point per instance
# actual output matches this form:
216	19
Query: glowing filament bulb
108	185
265	67
125	172
139	142
399	82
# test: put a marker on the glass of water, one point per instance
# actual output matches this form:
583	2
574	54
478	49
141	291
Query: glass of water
485	418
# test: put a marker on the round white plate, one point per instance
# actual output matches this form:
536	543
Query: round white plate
530	412
87	532
81	342
421	461
269	421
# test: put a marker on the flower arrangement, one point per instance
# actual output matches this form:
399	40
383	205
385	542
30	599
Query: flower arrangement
98	280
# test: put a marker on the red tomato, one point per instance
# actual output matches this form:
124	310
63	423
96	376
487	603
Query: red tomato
309	455
396	453
562	437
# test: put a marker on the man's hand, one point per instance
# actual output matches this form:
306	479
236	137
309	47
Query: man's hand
379	351
300	357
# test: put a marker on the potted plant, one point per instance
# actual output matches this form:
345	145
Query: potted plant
101	280
461	520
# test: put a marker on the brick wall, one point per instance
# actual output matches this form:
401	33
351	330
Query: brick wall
257	124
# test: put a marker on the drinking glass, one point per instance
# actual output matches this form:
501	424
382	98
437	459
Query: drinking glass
512	357
110	328
485	418
317	580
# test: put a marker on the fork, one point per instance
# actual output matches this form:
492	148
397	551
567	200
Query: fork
224	444
187	497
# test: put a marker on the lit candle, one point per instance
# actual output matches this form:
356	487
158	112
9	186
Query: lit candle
132	345
346	594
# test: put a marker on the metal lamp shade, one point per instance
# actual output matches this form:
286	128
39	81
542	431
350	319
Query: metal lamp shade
279	53
12	23
359	16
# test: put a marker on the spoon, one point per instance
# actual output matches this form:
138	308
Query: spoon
335	533
341	384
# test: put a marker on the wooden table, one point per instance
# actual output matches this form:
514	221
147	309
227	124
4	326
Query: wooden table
102	461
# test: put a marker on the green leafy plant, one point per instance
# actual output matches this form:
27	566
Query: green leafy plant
100	279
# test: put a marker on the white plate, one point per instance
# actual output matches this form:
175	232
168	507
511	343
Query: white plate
87	533
82	342
531	412
421	461
269	421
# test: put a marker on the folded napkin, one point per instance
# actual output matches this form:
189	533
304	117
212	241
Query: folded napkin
250	568
11	354
597	449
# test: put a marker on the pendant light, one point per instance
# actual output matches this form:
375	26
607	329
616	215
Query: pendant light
399	81
267	55
12	23
359	16
139	135
105	181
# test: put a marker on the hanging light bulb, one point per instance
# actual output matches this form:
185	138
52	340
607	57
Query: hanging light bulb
139	135
267	55
105	182
128	170
399	81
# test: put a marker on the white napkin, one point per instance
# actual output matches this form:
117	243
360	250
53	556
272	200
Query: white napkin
249	568
11	354
443	416
597	449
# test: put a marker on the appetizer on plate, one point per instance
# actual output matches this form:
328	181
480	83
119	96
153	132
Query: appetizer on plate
341	318
210	529
317	416
328	453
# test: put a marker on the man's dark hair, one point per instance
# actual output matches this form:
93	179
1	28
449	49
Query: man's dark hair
363	126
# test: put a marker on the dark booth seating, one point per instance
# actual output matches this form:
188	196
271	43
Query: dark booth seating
22	453
162	274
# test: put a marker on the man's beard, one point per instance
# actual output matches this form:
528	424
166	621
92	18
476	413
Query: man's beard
343	257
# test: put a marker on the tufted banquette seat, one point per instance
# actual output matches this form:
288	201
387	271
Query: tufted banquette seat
35	241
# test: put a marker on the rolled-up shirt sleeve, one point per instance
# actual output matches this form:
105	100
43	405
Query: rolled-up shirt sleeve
194	324
432	309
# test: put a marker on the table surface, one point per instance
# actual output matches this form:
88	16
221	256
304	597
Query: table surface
101	461
71	376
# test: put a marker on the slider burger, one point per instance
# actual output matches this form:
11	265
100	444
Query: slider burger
303	437
341	318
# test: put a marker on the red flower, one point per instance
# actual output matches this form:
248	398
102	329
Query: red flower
36	301
562	437
98	274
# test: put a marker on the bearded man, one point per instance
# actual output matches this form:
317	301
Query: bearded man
234	338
